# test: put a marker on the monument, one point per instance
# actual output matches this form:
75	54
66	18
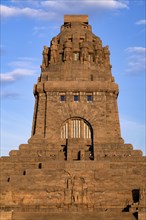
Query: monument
76	164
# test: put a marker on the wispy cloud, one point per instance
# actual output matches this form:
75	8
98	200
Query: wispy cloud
136	49
106	4
38	29
42	31
111	4
20	69
51	9
32	2
15	1
23	63
9	95
141	22
7	12
15	74
136	57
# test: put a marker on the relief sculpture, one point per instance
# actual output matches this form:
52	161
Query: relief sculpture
54	48
45	57
106	55
76	190
84	52
98	52
68	51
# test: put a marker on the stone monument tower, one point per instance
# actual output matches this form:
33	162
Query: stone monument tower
75	165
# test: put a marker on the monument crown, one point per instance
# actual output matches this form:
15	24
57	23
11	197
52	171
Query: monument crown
79	49
76	18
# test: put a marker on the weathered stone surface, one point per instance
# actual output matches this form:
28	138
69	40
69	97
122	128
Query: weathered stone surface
76	164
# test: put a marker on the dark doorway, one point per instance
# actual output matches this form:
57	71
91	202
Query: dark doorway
79	155
136	195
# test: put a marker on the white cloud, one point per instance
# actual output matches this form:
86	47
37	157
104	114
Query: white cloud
7	12
112	4
8	95
15	1
39	29
20	69
105	4
136	49
51	9
22	64
136	59
27	2
141	22
15	74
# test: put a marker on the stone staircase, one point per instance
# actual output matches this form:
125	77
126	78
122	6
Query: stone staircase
72	216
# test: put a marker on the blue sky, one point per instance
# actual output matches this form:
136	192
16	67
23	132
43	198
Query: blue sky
26	26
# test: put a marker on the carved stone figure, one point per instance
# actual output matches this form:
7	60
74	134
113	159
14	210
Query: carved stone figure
98	57
54	48
106	55
68	51
67	54
43	67
76	189
84	52
88	37
98	44
98	52
45	56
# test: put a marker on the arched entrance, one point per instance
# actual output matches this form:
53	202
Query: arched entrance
77	134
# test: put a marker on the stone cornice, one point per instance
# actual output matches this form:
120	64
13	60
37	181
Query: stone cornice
95	86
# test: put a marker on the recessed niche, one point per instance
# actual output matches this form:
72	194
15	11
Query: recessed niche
40	166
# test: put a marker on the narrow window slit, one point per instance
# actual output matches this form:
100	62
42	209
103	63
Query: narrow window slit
40	166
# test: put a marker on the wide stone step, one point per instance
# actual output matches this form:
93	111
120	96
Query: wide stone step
72	216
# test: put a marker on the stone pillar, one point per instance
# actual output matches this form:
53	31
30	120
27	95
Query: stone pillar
41	115
82	129
34	115
45	61
112	118
117	116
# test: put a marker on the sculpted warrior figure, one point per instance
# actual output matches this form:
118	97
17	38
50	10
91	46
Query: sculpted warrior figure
98	52
54	47
67	54
98	57
45	56
106	55
84	52
88	37
68	51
